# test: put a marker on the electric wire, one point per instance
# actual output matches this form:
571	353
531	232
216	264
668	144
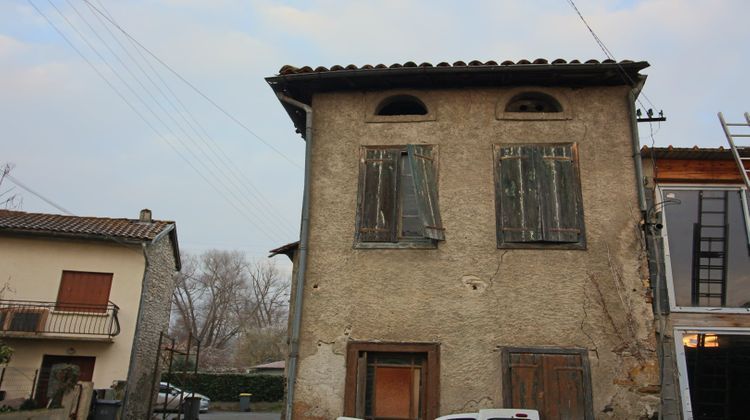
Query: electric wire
193	87
242	182
38	195
268	217
141	116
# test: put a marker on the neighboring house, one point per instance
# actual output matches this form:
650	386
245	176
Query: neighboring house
701	266
273	368
90	291
471	238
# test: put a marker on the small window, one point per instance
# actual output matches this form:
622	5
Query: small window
707	247
398	201
538	197
401	105
533	102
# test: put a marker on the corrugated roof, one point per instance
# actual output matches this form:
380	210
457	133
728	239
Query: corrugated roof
288	69
690	153
75	226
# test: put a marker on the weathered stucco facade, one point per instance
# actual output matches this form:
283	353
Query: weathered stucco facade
466	295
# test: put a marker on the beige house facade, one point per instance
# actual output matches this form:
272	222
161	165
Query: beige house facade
472	239
88	291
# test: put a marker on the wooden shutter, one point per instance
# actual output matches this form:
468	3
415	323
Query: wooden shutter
378	199
555	383
84	292
560	196
517	194
423	167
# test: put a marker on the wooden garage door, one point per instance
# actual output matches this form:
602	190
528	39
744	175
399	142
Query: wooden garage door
83	291
556	382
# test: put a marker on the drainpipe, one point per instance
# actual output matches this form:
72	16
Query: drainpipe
302	256
637	149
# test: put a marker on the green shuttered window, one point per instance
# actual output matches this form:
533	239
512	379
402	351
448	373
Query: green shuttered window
398	198
538	196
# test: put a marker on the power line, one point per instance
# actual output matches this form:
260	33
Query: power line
38	195
272	218
607	52
242	181
193	87
134	109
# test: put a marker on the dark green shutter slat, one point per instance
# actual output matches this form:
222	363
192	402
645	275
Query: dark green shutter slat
517	194
378	212
425	183
559	186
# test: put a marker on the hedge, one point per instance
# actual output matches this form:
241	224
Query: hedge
228	386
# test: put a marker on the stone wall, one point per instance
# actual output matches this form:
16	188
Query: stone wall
153	318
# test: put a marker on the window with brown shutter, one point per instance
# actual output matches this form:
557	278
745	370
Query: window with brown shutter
554	381
397	204
83	291
538	196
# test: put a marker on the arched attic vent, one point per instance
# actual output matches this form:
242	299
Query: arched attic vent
533	102
401	105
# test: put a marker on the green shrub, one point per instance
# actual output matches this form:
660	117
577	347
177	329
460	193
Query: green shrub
227	387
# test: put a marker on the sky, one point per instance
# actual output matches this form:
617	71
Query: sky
115	131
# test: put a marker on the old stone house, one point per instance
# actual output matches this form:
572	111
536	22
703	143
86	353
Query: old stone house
471	238
699	236
88	291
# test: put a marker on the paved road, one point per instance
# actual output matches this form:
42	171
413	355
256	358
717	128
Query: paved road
228	415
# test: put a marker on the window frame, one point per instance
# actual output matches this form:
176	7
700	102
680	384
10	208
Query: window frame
409	242
659	199
678	334
588	385
559	95
501	242
431	387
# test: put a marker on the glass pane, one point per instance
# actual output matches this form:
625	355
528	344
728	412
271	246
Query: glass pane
718	375
701	249
411	225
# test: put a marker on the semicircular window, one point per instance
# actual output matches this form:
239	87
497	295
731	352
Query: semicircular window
533	102
401	105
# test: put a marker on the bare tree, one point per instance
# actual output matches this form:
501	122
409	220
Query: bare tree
230	304
269	295
9	199
211	297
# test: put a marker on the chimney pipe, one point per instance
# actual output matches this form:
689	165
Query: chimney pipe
145	216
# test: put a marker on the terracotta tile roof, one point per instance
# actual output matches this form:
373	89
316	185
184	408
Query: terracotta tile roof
690	153
287	69
75	226
288	250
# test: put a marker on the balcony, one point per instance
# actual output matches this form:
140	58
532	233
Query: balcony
53	320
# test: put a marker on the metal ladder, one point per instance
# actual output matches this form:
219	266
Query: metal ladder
740	148
710	249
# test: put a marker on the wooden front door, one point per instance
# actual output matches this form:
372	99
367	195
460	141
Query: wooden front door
556	382
85	363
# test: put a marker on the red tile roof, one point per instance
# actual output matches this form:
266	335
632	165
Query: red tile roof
287	69
75	226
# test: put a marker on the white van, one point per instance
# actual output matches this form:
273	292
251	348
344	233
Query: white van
486	414
495	414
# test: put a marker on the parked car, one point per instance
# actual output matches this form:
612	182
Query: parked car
495	414
171	394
